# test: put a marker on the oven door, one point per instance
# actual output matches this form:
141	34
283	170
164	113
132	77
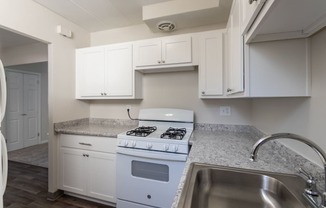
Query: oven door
147	177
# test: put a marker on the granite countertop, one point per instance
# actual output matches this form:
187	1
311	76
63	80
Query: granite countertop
95	127
231	148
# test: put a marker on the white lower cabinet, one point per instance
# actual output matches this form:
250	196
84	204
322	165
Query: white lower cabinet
90	172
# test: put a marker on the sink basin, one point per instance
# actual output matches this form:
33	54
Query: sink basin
209	186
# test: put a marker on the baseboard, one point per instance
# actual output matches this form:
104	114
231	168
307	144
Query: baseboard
91	199
54	196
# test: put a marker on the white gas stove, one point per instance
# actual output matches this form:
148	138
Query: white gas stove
151	158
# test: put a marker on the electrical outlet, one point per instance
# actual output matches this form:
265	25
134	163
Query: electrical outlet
225	111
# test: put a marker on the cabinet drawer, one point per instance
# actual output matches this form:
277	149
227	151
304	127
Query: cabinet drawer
100	144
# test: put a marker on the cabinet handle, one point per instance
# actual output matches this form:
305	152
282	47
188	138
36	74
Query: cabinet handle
87	155
203	92
251	1
229	90
159	62
104	93
163	61
101	93
24	114
86	144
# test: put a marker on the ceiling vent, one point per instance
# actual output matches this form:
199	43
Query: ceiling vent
166	26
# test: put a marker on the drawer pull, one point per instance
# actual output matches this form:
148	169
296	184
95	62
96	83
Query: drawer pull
86	144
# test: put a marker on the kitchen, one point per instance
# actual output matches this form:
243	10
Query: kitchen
303	116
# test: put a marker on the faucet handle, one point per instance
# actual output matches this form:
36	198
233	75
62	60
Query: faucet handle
311	187
305	173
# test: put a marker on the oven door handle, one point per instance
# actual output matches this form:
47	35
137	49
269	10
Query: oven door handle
152	154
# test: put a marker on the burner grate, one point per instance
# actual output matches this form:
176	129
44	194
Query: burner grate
174	133
142	131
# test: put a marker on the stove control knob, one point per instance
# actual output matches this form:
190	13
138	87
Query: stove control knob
133	144
149	146
174	148
125	143
166	147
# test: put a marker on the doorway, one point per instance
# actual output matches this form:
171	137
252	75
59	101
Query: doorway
23	111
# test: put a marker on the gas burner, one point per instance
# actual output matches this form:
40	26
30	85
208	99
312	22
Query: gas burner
141	131
174	133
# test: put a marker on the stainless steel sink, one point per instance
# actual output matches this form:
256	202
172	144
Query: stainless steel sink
209	186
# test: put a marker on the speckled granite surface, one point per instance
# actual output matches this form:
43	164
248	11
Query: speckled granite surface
231	147
95	127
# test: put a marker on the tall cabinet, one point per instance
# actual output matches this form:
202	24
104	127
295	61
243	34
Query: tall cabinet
211	64
234	52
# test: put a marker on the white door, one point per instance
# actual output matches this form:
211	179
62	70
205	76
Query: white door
14	111
148	53
31	109
176	50
22	110
90	65
119	72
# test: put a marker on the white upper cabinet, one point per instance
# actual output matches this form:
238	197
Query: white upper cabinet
266	69
90	71
249	11
106	72
210	69
119	76
173	51
234	50
286	19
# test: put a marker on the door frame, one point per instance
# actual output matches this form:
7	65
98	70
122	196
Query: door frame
38	99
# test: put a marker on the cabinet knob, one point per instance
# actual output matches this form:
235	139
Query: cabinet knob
229	90
159	62
203	92
251	1
163	61
101	93
104	93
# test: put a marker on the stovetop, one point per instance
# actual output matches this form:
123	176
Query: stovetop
171	139
160	129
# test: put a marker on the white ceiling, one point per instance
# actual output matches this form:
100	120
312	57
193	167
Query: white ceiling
97	15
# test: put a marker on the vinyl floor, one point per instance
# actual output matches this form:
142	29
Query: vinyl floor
27	187
33	155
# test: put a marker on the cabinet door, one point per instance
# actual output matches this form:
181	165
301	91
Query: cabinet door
249	11
90	66
147	53
102	176
73	172
211	64
235	51
176	50
119	71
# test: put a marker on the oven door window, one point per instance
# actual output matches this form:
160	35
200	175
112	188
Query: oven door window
154	171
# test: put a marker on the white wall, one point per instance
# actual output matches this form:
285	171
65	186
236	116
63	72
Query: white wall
305	116
33	20
25	54
175	90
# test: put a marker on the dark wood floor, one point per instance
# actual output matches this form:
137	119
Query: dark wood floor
27	188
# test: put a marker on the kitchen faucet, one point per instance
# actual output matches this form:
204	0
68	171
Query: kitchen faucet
309	192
